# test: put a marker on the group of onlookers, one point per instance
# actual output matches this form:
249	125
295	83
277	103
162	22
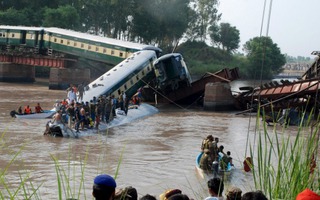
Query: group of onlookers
105	188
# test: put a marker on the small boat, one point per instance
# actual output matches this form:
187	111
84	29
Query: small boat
209	174
42	115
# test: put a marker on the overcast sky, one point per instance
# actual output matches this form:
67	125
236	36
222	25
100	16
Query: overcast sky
294	24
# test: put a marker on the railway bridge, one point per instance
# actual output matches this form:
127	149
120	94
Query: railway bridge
24	48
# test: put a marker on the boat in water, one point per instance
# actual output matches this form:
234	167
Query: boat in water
42	115
137	112
216	171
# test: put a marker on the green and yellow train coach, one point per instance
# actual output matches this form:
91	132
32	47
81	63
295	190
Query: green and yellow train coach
89	46
21	36
49	41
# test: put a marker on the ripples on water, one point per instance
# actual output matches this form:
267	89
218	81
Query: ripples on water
159	151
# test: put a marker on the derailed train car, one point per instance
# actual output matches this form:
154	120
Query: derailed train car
172	72
57	41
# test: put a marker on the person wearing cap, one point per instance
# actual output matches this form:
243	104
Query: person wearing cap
308	194
233	193
215	187
104	187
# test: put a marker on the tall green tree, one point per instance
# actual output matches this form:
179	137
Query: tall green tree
13	16
206	15
264	57
227	36
161	22
64	17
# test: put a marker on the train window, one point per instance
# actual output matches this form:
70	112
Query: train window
131	81
120	65
114	69
61	41
82	45
148	68
75	44
108	74
97	48
12	35
142	72
55	39
89	47
119	92
68	42
0	34
112	52
32	36
137	77
104	50
125	86
120	54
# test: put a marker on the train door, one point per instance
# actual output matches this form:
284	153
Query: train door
3	37
23	38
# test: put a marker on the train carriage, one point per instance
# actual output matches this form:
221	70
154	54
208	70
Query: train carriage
128	76
21	36
172	72
89	46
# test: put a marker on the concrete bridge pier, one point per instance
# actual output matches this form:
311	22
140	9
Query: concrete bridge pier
61	78
218	97
10	72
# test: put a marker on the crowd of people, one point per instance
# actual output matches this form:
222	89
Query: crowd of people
212	153
105	188
81	115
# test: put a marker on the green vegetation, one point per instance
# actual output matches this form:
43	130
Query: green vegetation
161	23
285	165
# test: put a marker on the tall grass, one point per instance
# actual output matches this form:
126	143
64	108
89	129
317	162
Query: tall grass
282	165
25	189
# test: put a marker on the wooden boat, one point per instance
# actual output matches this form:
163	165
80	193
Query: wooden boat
42	115
210	174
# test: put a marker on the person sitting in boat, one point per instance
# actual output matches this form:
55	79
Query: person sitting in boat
206	161
220	151
225	160
38	108
205	142
20	110
27	110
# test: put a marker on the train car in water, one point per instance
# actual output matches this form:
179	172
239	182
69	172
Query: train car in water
89	46
128	76
172	72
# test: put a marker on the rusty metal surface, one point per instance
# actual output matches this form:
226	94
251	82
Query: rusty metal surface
298	88
34	61
198	87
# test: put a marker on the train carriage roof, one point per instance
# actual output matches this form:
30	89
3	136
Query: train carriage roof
96	38
26	28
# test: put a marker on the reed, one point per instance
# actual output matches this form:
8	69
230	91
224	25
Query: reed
284	164
25	189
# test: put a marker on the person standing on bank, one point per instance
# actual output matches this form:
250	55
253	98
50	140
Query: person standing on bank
104	187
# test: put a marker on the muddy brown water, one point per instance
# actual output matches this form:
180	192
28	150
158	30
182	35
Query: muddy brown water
159	151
